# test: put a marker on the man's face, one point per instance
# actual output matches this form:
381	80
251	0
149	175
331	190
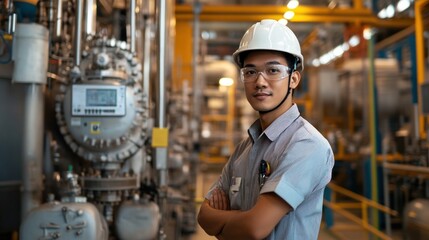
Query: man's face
263	94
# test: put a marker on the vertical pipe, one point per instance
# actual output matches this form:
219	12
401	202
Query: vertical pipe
133	26
146	59
196	84
33	149
11	24
161	151
30	48
373	130
90	17
386	193
162	23
78	31
59	18
414	87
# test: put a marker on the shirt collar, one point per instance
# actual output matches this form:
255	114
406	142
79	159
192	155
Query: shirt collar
276	127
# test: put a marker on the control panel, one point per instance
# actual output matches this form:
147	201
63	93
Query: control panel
98	100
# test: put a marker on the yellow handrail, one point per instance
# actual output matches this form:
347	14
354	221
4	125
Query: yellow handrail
362	199
364	204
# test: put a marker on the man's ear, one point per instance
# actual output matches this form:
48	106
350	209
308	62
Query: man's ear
295	79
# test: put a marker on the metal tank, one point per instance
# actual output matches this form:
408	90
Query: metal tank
70	218
138	220
416	220
57	220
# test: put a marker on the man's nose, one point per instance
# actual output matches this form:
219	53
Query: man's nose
260	80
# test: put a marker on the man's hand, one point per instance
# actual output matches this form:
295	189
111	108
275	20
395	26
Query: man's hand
219	200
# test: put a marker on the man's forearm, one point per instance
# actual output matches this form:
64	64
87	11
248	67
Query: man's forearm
213	220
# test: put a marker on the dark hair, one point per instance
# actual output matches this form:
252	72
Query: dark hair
290	59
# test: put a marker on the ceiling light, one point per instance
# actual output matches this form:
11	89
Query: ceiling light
367	33
390	11
283	21
226	82
292	4
338	51
354	41
382	13
289	15
403	5
205	35
316	62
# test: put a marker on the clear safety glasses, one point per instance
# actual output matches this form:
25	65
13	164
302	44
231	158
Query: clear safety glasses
272	72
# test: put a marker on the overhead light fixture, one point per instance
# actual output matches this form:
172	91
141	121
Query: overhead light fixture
316	62
226	82
292	4
403	5
289	15
368	33
382	13
336	52
354	41
390	11
283	21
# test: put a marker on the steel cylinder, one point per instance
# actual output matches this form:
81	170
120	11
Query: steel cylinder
30	53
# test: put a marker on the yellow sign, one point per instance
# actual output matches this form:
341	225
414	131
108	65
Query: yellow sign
95	127
159	137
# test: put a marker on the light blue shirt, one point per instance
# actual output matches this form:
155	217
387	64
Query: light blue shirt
301	162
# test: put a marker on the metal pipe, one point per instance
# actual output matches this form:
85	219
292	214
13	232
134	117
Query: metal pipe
161	152
407	168
11	24
90	17
33	149
372	130
146	59
59	18
133	26
78	31
35	39
386	192
162	23
196	86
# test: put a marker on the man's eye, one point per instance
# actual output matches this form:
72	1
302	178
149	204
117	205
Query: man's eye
273	70
249	72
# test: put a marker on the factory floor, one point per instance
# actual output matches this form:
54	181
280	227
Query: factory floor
343	229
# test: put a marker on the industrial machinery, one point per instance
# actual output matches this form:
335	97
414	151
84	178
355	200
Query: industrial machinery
89	170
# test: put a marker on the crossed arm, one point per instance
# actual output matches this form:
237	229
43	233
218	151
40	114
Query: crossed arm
257	223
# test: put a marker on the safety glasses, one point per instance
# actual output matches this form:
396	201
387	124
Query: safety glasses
272	72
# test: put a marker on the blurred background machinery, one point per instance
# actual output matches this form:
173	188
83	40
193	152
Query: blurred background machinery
113	111
78	86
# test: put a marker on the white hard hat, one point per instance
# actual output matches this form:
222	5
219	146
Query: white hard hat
270	34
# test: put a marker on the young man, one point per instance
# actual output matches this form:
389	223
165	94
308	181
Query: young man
272	186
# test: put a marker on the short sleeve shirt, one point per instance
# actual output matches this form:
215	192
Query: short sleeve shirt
301	162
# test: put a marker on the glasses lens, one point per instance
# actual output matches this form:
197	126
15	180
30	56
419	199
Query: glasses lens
271	73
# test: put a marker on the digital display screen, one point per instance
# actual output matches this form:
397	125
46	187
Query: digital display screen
100	97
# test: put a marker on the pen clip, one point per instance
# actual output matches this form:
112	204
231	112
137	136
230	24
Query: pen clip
264	172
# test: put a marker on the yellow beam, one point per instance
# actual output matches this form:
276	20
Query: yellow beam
420	52
304	14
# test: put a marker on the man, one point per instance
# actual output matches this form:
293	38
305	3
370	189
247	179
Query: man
272	186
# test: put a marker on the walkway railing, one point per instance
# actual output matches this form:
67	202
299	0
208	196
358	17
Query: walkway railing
361	202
